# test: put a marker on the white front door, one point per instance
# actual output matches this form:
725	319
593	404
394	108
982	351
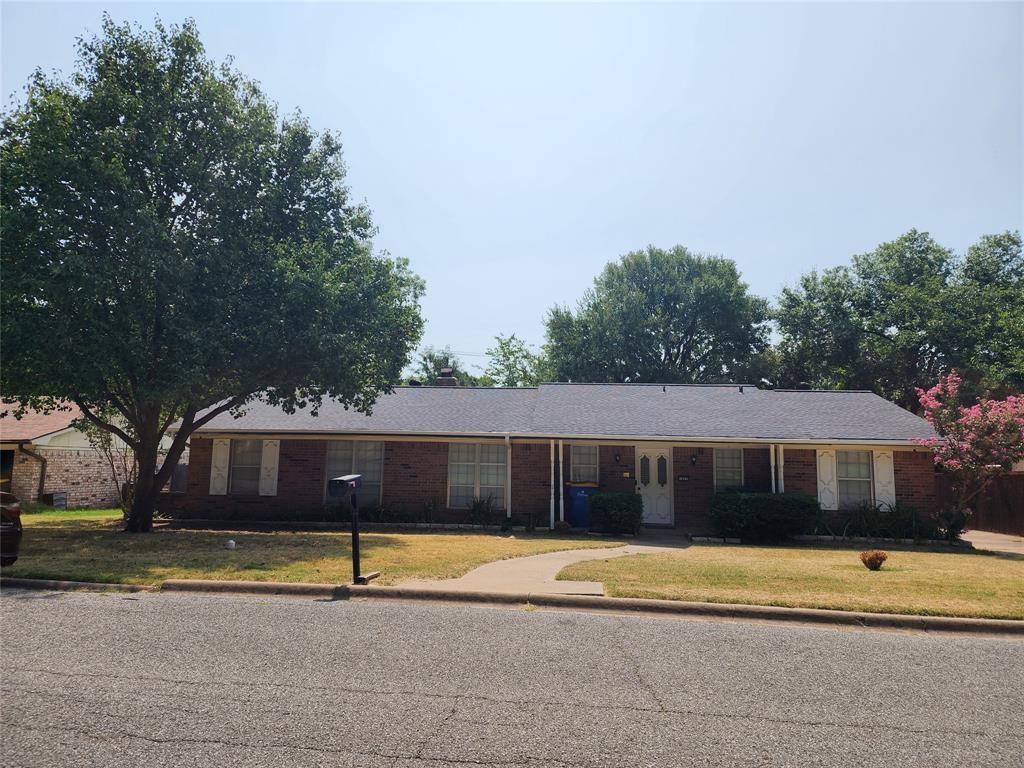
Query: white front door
654	482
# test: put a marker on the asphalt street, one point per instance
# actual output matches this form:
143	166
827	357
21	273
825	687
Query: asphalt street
190	680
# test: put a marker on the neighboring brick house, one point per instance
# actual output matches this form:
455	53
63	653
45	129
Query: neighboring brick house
437	448
42	454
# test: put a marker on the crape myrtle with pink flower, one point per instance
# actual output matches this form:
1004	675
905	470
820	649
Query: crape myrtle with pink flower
974	444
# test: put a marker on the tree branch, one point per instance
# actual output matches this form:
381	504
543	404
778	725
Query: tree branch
104	425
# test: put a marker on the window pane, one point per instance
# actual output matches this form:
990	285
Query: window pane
461	496
854	492
245	480
368	461
854	464
583	464
339	458
728	467
246	453
461	452
492	454
496	493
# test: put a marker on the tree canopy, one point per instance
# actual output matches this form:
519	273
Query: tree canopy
512	364
172	248
901	315
660	316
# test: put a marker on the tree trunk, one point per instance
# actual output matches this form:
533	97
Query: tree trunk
140	519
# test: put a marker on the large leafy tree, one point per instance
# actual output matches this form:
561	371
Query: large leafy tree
899	316
512	364
172	250
431	361
660	316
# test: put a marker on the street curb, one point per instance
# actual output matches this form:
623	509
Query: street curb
711	610
295	589
12	582
579	602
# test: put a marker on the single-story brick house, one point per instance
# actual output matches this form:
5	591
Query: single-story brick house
439	447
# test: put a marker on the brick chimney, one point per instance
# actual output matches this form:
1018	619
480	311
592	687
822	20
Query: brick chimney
446	379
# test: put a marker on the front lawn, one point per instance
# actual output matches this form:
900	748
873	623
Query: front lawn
916	582
85	545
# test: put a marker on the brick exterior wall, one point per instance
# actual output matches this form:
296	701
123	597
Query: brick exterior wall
800	473
531	482
415	474
82	473
610	472
692	495
916	485
757	469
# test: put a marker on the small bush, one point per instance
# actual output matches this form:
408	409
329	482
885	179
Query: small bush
873	559
563	526
762	517
886	521
616	512
481	511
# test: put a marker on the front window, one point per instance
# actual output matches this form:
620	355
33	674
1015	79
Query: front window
728	468
475	472
246	456
853	471
583	464
358	457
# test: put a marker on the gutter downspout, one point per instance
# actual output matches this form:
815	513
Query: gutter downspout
782	469
771	454
42	470
561	480
508	476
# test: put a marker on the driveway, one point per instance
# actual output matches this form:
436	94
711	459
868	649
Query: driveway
996	542
117	681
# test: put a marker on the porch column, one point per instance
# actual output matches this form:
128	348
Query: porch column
508	477
782	469
771	461
561	483
551	466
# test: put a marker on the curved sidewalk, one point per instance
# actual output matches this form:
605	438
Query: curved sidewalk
536	574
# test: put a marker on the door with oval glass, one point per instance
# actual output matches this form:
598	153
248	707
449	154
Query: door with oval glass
654	482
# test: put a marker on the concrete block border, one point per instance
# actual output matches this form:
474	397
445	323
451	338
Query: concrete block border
1004	627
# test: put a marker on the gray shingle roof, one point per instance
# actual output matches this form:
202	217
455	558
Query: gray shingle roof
622	410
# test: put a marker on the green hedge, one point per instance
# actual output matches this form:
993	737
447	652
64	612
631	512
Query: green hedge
756	517
616	512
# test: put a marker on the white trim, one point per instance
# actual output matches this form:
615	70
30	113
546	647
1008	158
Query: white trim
714	465
771	464
508	477
782	469
476	437
268	467
551	466
828	483
883	477
561	481
220	467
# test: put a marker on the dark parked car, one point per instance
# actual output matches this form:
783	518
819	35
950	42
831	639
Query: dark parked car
10	528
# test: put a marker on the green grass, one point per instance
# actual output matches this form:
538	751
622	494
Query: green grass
965	583
52	515
89	546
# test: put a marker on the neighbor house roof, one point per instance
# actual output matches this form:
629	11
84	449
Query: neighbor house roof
641	411
34	424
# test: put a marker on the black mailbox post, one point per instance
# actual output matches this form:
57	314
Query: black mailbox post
349	485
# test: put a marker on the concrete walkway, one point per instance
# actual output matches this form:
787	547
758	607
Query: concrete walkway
536	573
996	542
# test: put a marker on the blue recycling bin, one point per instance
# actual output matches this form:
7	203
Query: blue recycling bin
579	504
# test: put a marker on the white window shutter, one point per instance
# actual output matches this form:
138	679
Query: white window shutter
885	482
219	464
828	487
268	467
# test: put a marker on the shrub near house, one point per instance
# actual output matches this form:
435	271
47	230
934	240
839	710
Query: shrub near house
757	517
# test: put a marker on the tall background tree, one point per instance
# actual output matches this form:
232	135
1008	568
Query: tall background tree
899	316
172	249
661	316
512	364
431	361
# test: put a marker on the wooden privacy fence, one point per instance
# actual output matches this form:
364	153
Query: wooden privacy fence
1000	508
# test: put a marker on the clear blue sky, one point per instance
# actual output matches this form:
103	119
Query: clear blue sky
510	151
